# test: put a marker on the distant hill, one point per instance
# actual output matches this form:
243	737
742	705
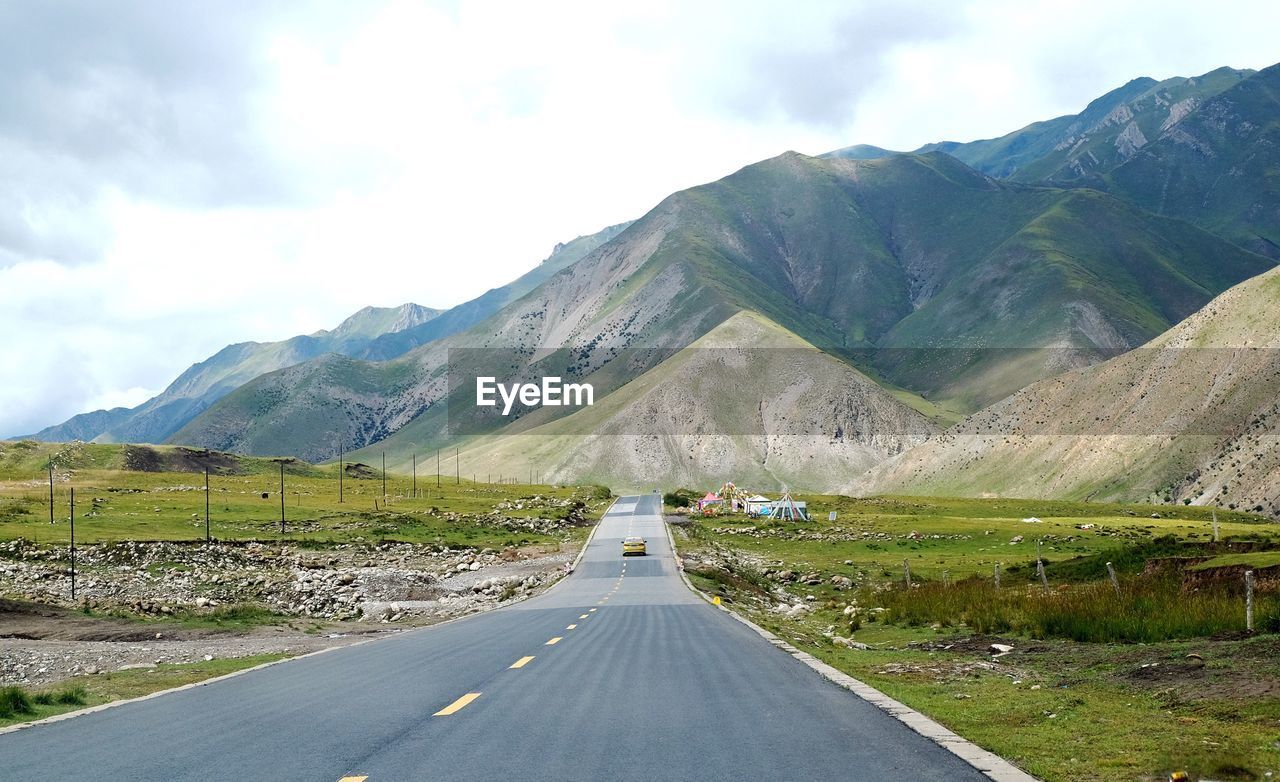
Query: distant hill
203	384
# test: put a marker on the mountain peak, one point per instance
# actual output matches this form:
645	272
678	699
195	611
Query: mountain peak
372	321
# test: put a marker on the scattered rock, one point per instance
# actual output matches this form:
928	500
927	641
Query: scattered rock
848	643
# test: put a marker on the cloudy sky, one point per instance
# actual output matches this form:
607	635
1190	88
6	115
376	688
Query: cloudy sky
178	176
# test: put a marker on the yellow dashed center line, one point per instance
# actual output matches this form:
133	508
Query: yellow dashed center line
570	627
593	610
353	779
457	705
522	662
584	616
553	641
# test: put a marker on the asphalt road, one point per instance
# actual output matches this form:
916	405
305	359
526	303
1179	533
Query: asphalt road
616	673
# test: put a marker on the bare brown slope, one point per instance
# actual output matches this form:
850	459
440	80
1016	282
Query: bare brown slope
1191	417
748	402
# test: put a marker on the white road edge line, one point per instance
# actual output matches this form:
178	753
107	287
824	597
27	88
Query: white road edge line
989	763
112	704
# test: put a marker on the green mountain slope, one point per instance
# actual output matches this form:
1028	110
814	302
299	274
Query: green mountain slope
1192	417
1219	167
1079	148
1202	149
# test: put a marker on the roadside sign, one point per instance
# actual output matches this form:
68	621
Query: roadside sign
831	516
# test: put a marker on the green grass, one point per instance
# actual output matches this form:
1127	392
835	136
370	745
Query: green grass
114	504
68	696
1145	610
1086	718
15	702
94	690
1254	559
972	535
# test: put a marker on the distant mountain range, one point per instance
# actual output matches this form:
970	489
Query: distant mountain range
910	290
373	333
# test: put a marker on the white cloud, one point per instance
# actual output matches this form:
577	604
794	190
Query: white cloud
173	183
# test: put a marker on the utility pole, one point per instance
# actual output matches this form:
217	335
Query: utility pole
341	470
437	468
1044	578
384	477
457	465
73	543
415	475
206	505
1248	600
282	496
51	490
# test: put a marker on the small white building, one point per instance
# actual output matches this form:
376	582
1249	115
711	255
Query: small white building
759	504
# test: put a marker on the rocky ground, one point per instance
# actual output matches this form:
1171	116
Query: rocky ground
143	604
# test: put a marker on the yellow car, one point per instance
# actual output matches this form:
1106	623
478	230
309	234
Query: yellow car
633	546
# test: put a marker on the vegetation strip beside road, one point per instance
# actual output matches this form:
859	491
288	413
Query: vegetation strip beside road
19	706
1207	702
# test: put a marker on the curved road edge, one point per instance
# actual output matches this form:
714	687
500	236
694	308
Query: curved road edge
986	762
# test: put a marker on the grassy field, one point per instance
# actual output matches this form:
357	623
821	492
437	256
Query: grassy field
135	493
1061	708
18	704
965	537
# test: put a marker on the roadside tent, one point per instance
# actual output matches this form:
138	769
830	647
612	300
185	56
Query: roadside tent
758	504
710	499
